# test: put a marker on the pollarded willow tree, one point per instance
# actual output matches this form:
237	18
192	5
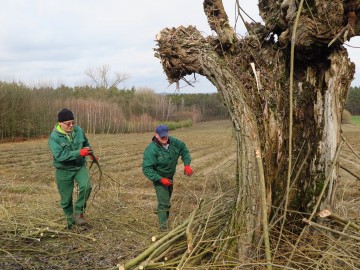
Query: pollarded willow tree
285	85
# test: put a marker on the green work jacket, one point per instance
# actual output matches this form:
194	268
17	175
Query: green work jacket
66	148
159	162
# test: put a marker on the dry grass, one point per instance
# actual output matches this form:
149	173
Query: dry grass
120	213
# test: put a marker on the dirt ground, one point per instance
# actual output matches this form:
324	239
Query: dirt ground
121	208
348	195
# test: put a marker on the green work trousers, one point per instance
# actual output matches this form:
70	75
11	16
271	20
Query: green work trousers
163	195
65	181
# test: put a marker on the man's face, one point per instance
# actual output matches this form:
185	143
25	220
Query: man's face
162	140
67	125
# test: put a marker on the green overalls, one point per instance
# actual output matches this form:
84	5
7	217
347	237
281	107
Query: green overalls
70	167
159	162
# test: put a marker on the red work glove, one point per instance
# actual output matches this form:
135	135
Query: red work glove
85	151
187	170
166	182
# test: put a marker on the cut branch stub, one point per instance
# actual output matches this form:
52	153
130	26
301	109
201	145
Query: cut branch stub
179	49
319	23
218	21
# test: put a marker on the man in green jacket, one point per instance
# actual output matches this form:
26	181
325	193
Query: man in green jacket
159	165
69	147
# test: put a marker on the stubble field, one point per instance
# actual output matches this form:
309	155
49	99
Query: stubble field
121	208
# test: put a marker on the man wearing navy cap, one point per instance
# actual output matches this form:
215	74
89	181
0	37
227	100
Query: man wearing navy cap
159	165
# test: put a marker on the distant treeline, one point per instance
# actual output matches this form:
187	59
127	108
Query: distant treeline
353	101
27	112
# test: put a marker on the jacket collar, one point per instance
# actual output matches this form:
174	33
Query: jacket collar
70	135
156	141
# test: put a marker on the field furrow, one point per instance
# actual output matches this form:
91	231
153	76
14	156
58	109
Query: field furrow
121	207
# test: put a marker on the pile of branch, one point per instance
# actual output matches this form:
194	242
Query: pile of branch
198	241
190	242
35	229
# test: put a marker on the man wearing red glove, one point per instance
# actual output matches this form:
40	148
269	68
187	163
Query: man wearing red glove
159	165
69	146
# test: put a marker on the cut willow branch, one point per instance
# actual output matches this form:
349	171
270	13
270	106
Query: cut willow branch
153	247
171	250
350	172
264	209
327	214
327	180
188	228
291	113
165	246
41	232
316	225
349	145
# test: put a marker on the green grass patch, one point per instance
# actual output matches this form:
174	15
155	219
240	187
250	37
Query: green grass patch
356	120
21	189
174	125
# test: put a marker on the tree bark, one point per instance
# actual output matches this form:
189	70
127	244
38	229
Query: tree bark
259	109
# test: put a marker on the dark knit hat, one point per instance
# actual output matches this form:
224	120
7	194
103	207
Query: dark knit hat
65	115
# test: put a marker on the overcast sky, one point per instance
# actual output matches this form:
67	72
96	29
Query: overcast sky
55	41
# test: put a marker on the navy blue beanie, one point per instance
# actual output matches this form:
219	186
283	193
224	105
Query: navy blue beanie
65	115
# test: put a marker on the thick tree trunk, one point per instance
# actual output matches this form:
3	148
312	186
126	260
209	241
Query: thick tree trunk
260	109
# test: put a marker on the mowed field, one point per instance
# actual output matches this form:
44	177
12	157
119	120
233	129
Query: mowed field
348	195
121	208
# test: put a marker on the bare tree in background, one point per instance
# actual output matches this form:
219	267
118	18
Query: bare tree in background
166	106
101	77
